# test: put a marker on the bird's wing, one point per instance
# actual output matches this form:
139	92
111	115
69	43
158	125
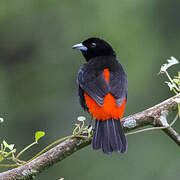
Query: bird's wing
82	98
118	85
93	84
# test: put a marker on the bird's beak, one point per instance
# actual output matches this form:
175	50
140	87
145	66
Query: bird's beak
80	47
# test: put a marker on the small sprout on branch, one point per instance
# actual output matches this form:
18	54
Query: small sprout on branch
9	146
174	84
38	135
81	129
81	118
6	150
78	131
172	61
1	120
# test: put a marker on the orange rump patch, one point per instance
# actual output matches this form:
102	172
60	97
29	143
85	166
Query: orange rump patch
109	108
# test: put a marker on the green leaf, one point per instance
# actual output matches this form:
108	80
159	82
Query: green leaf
11	147
176	81
1	157
5	144
38	135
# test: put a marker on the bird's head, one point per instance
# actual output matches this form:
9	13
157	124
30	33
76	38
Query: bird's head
94	47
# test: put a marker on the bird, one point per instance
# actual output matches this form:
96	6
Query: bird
102	92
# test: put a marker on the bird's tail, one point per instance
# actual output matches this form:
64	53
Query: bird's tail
109	136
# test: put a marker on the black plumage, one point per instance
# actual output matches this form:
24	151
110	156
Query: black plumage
108	134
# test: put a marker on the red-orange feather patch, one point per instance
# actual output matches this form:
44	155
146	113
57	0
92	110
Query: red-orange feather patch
109	108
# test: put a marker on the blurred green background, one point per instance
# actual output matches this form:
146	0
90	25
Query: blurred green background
38	72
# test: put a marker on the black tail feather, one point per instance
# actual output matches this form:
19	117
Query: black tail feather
115	139
106	146
97	135
123	138
109	136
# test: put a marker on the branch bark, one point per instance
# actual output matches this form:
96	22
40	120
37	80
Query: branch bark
151	116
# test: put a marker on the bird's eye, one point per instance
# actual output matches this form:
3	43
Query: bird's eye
93	45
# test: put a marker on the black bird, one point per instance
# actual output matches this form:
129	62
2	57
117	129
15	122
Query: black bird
103	93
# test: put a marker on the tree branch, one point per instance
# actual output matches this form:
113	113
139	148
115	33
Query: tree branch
151	116
171	132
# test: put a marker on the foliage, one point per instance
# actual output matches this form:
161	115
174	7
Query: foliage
174	84
7	151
